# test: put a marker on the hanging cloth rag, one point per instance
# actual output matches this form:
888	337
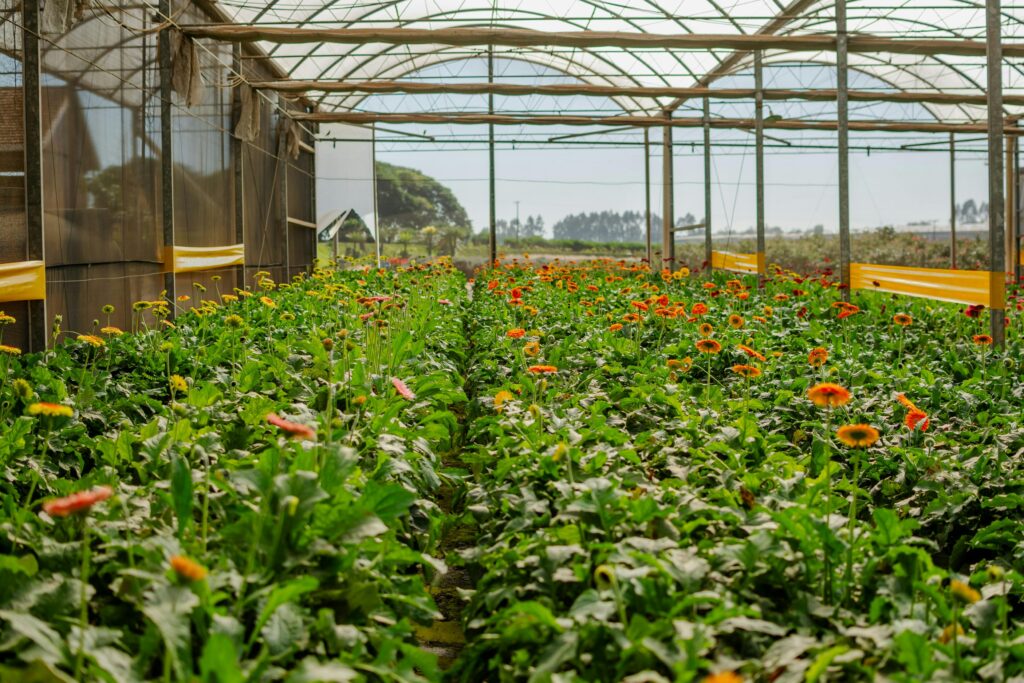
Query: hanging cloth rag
248	127
186	76
292	136
58	16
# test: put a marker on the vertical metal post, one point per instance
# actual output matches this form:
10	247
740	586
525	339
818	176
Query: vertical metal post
843	143
952	200
36	244
1018	267
166	152
1011	202
376	210
707	183
237	165
315	234
493	239
997	256
647	190
282	194
759	159
668	220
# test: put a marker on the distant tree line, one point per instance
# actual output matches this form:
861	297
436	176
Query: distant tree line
611	226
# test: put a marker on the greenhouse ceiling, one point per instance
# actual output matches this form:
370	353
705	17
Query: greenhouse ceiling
644	67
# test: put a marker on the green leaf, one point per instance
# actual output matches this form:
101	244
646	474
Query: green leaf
219	661
181	493
170	608
41	634
822	661
288	592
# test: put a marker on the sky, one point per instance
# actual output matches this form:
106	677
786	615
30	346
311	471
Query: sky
888	187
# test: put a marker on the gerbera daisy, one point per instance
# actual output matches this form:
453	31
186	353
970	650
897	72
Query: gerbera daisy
291	428
705	330
828	395
501	398
982	339
902	319
615	327
916	417
402	389
736	321
751	352
50	410
542	369
77	502
857	436
515	333
748	371
817	357
188	569
709	346
532	348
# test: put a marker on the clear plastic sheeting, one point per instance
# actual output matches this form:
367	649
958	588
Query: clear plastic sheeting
640	67
345	184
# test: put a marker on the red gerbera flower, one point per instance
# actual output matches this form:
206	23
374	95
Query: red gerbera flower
291	428
77	502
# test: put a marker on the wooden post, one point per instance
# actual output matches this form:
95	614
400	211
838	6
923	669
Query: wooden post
34	211
707	184
1010	210
167	151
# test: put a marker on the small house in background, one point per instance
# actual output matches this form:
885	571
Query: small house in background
346	227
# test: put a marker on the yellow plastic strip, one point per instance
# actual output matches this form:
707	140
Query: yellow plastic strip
23	281
738	263
195	259
959	286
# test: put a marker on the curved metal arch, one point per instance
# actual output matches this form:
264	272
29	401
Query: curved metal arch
588	73
435	16
356	99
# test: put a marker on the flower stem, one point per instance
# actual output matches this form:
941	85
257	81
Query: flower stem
83	613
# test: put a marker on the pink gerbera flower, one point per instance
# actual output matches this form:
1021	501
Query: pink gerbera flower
403	389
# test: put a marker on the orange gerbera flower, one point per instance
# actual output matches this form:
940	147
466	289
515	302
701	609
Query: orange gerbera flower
817	357
705	330
723	677
291	428
615	327
917	417
631	318
982	339
750	352
515	333
77	502
748	371
698	309
542	369
902	319
640	305
532	348
736	321
708	346
857	436
905	402
828	395
188	569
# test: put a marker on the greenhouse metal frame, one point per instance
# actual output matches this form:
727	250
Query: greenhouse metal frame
213	108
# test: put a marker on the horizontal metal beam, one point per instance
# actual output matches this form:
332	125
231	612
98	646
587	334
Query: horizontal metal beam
510	37
567	89
637	122
685	228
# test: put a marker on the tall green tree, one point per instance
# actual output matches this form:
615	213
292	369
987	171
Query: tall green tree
408	199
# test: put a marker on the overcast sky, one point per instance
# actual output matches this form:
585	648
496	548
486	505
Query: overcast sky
887	187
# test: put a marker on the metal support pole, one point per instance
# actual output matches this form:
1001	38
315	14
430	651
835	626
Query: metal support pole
36	244
647	190
493	240
759	158
707	183
668	200
997	255
376	210
952	199
1018	267
1011	202
282	198
314	233
843	140
237	147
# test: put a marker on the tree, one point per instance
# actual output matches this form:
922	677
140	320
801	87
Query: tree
407	198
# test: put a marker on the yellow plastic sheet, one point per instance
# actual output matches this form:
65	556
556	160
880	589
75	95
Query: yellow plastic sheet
23	281
959	286
738	263
195	259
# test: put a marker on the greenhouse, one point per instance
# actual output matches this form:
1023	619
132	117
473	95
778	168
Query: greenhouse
522	340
